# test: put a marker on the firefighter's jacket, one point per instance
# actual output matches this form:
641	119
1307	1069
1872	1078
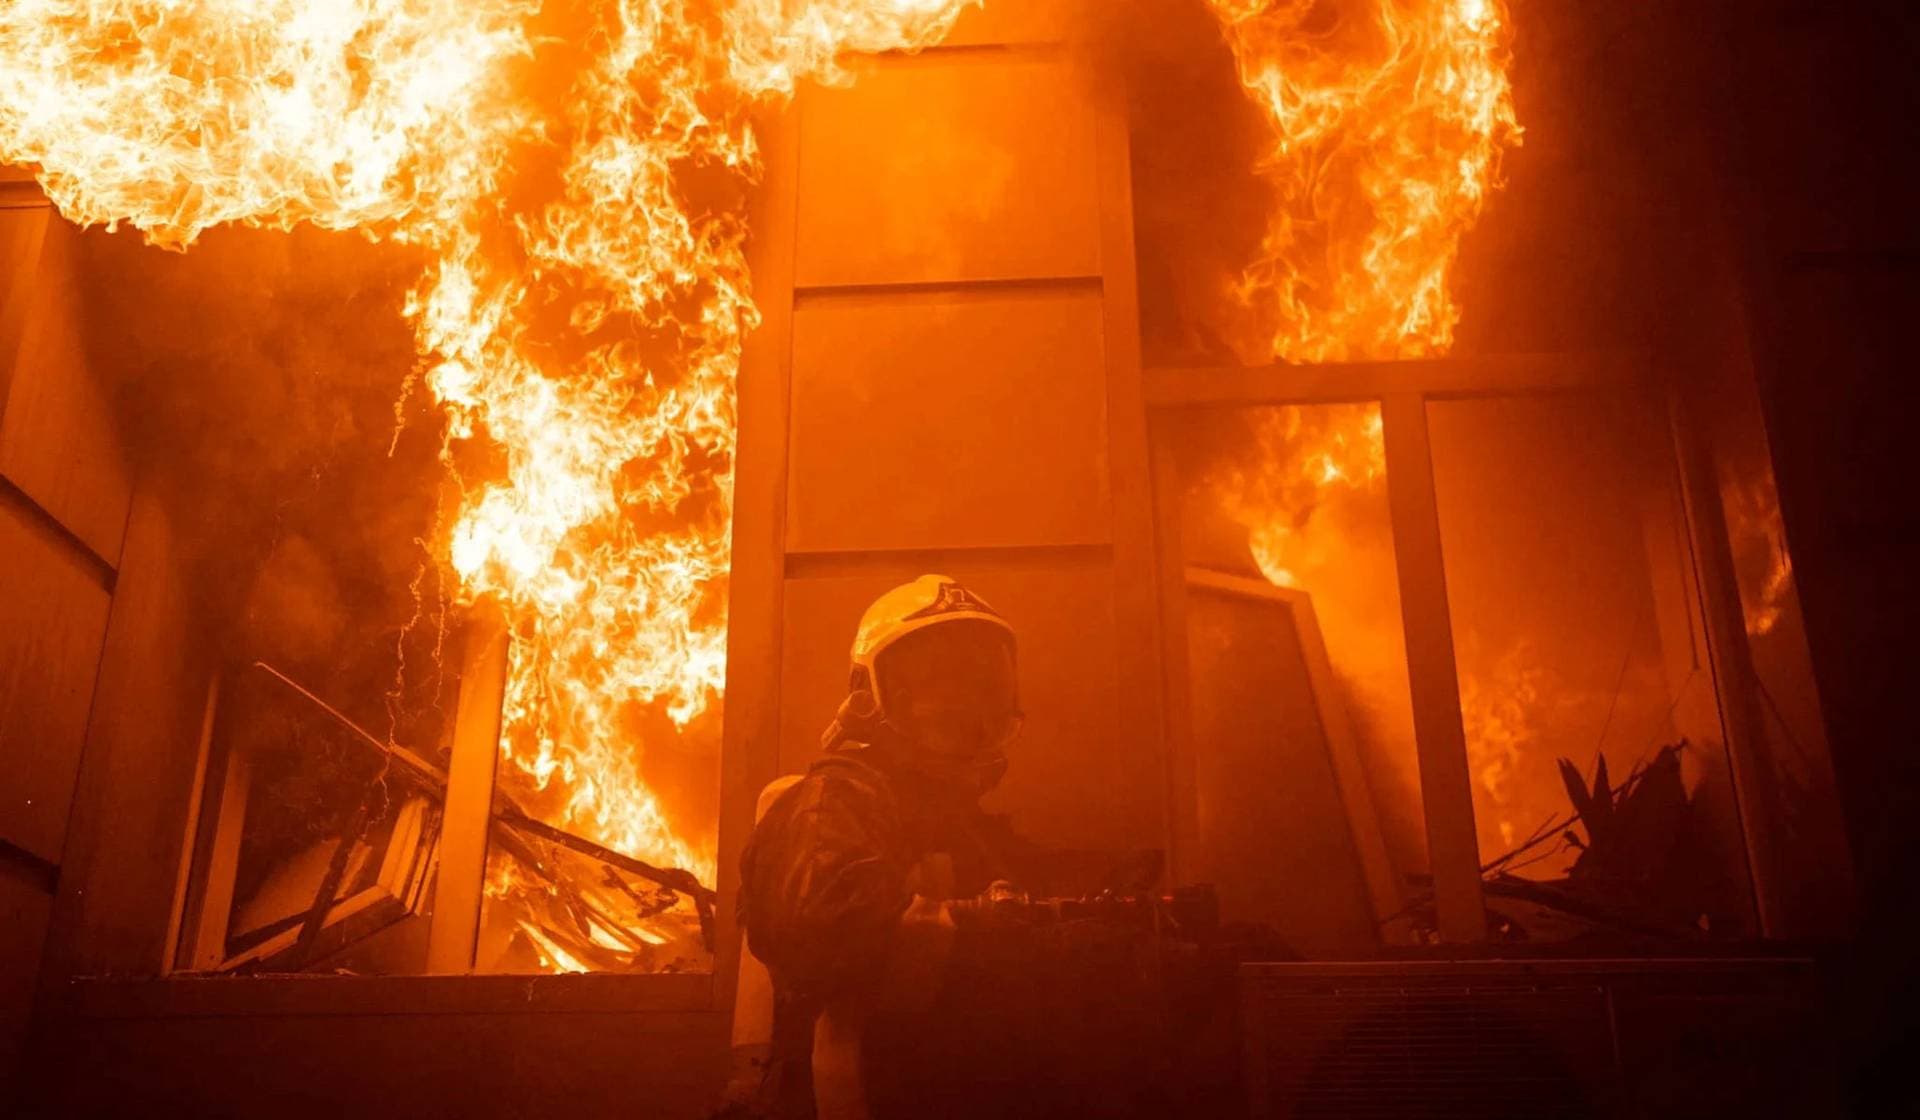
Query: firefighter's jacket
1013	1021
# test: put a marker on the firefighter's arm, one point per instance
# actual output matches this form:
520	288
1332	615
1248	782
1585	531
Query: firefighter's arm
823	887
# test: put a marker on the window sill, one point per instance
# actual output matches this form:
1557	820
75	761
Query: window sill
228	996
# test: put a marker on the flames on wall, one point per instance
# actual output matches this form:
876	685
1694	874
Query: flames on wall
571	173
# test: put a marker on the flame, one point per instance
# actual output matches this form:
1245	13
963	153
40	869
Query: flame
1388	118
1308	457
1498	703
571	172
1759	538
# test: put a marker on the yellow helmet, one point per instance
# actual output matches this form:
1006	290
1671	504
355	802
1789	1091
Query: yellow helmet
931	600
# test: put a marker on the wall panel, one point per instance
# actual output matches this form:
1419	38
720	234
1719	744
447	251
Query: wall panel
57	437
948	420
1030	21
23	225
52	618
952	165
125	844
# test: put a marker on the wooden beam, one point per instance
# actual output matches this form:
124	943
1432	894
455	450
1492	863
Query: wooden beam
467	814
1136	603
1756	786
215	897
1183	799
756	586
613	996
1446	791
1434	378
189	846
1349	772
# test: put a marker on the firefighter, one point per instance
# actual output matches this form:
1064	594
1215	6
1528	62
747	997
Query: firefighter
887	999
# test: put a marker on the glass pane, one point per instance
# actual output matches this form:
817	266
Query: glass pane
602	863
319	847
1602	796
1302	722
1817	901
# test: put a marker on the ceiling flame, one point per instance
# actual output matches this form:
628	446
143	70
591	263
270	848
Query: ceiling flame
582	311
1388	121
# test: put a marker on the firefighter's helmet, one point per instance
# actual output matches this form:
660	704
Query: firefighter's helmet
912	608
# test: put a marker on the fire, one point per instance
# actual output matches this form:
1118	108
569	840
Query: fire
1498	703
571	173
1308	458
1759	538
1388	119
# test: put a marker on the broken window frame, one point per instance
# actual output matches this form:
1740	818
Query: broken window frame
199	935
1402	390
444	857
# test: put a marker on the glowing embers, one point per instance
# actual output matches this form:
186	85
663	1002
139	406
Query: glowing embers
1388	119
550	908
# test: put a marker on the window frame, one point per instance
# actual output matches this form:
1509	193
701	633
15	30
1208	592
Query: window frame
1402	390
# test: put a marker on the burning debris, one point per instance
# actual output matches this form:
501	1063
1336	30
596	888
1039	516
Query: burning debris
597	908
1638	874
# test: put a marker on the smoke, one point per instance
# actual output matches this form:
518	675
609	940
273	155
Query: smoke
1199	209
262	385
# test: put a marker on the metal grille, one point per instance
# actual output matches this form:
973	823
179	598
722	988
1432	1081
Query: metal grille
1439	1051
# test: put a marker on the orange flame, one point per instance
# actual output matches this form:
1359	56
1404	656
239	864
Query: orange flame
1307	458
1759	538
1388	118
1497	709
584	306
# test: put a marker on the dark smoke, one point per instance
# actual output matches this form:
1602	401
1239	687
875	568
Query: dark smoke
262	386
1199	210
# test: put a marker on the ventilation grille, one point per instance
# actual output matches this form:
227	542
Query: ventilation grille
1432	1051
